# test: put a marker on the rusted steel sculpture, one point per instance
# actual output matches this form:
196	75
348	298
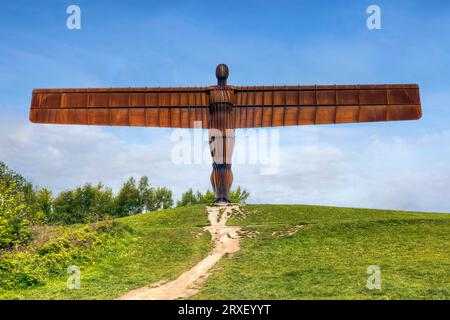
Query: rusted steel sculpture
222	108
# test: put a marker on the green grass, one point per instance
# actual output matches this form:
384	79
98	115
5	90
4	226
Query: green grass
329	256
160	245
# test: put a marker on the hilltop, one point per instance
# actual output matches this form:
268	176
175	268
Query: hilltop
286	252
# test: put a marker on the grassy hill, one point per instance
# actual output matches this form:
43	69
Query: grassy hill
287	252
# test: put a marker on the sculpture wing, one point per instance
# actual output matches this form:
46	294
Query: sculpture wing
144	107
310	105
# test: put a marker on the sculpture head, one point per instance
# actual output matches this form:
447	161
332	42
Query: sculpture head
222	74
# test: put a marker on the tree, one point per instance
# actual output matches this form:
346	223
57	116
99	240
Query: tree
104	201
84	204
11	177
239	195
64	209
127	201
206	198
44	198
188	198
146	196
13	224
162	198
23	191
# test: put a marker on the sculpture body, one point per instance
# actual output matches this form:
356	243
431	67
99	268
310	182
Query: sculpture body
223	108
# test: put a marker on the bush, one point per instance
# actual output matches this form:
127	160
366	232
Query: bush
34	266
13	223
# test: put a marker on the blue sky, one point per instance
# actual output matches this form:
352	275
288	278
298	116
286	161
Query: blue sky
153	43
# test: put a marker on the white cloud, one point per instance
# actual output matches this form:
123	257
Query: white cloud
62	157
321	167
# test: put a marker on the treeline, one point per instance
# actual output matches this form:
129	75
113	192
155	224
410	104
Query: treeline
96	202
21	204
190	198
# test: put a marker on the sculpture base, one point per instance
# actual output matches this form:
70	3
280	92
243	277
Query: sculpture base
222	201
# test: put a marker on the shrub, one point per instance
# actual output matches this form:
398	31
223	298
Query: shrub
23	269
13	223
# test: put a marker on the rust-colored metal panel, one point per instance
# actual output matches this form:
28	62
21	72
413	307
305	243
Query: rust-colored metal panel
119	117
175	118
250	118
236	117
259	98
326	97
325	115
369	96
152	117
204	118
347	114
97	99
372	113
184	117
403	112
62	115
267	98
243	118
307	98
279	98
99	117
164	99
251	98
35	101
258	117
51	100
164	117
137	117
292	98
307	115
152	99
291	116
119	99
278	116
267	117
191	99
347	97
40	115
137	99
73	100
78	116
403	96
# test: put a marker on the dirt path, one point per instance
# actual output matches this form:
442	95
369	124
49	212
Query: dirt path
226	240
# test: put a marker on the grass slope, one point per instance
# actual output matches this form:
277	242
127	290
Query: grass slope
328	257
160	245
287	252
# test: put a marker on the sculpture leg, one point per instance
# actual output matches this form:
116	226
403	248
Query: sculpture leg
221	180
221	146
